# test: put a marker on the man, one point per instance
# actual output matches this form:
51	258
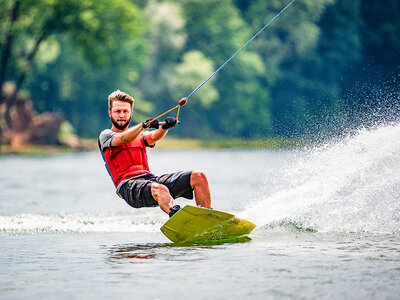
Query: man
124	152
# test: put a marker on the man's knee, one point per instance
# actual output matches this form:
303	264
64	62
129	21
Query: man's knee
198	178
158	190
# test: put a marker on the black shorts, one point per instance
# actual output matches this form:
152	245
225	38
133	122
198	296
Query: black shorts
137	191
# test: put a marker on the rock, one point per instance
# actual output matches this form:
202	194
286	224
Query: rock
45	128
29	127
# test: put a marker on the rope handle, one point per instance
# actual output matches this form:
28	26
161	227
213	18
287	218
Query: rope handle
182	102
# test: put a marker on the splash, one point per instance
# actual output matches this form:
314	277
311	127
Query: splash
350	185
146	221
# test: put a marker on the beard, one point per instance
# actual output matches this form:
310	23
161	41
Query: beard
118	126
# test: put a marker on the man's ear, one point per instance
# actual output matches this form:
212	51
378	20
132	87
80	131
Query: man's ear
109	113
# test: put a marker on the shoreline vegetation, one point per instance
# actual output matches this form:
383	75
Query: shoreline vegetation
169	143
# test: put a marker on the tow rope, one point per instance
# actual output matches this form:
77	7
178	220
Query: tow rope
183	101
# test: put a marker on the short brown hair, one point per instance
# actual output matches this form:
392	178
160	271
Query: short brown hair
119	96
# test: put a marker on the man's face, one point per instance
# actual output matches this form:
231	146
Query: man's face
120	114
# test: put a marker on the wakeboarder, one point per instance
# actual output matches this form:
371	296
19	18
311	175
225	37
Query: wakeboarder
124	151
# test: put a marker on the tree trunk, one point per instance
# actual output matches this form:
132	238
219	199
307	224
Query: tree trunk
7	45
24	73
5	56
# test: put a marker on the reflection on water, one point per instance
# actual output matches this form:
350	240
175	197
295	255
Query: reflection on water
145	251
135	253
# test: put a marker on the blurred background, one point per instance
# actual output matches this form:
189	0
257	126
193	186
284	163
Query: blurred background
322	67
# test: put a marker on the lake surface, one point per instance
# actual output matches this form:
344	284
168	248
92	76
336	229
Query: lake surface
328	226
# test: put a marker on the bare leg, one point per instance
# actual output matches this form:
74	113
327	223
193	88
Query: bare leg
199	183
161	194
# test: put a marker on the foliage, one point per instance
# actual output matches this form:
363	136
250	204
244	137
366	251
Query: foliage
69	44
287	82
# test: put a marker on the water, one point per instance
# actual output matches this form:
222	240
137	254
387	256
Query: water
328	222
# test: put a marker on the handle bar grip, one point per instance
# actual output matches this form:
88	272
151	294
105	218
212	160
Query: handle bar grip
163	123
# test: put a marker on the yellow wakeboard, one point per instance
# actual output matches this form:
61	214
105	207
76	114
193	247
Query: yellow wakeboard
194	224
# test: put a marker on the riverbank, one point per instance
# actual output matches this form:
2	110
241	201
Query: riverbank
167	143
30	149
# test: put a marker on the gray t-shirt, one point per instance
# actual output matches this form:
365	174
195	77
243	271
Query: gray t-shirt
105	139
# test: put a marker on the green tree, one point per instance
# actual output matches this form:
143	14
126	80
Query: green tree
77	87
217	30
94	28
305	56
371	84
166	39
186	76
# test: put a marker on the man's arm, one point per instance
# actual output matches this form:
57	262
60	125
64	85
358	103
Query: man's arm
127	136
156	135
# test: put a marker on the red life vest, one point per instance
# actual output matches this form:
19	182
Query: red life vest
127	161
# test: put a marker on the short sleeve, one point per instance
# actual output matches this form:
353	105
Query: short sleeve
146	143
105	139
